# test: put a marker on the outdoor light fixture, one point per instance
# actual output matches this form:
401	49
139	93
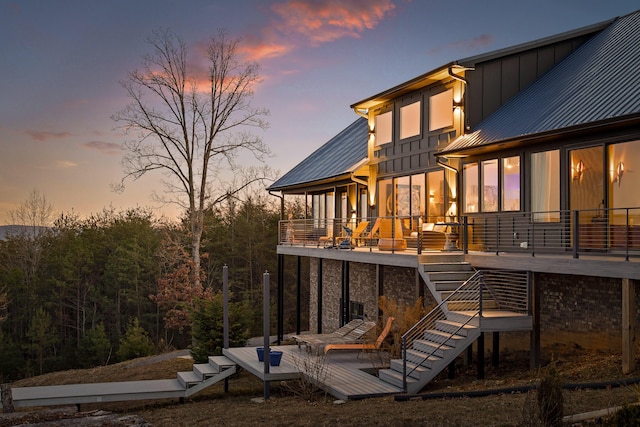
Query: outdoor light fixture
578	171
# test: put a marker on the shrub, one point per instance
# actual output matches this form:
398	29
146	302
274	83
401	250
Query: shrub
550	398
95	348
135	342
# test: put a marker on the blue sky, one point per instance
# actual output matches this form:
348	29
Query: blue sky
61	63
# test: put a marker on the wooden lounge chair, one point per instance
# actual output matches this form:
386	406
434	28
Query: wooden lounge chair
391	237
363	346
367	238
315	343
337	334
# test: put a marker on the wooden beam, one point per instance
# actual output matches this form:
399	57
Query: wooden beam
628	326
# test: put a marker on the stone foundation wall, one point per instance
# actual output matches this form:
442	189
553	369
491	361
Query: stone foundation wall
581	311
398	283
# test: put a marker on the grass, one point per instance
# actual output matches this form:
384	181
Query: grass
213	406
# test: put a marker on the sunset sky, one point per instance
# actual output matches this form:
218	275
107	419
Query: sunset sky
61	63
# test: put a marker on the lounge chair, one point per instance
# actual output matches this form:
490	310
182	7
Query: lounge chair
367	237
352	332
362	346
391	237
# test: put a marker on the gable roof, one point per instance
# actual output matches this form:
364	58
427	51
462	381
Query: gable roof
337	158
598	82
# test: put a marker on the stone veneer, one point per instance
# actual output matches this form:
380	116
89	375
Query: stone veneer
575	311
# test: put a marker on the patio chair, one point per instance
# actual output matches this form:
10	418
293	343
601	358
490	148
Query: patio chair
391	237
363	346
353	335
338	333
365	237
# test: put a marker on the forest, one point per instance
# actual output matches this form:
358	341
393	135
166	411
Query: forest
117	285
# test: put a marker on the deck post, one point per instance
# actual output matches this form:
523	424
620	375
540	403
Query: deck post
468	356
298	294
280	296
628	326
481	356
225	315
495	356
534	335
7	398
319	307
266	299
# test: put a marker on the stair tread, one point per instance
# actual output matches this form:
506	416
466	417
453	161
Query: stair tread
189	377
221	362
434	344
206	369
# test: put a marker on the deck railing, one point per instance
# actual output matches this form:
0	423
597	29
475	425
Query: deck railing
602	231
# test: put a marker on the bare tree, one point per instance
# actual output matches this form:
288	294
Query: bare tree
193	125
35	214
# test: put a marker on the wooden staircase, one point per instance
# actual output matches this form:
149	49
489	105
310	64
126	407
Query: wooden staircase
205	375
463	295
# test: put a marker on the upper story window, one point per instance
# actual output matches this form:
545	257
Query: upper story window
384	128
410	120
441	110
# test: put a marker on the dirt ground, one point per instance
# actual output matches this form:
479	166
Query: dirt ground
285	407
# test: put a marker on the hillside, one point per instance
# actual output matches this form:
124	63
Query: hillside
285	407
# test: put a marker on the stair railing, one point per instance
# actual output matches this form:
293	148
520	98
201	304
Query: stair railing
468	299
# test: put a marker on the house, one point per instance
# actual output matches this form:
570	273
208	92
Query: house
519	165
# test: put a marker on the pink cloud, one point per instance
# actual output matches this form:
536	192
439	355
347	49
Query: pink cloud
107	147
44	136
482	40
299	22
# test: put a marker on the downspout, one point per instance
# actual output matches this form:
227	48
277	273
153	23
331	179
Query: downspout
446	166
362	112
457	77
281	197
358	180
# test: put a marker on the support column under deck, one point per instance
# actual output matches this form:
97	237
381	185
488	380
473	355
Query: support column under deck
628	326
481	356
319	312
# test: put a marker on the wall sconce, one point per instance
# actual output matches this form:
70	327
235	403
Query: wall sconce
372	131
617	175
458	105
578	171
432	198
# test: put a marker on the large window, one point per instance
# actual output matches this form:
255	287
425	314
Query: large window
490	185
435	182
384	128
545	185
470	186
499	183
623	179
441	110
410	120
511	184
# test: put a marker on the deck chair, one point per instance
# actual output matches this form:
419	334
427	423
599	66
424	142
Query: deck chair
338	333
363	346
355	335
391	237
367	237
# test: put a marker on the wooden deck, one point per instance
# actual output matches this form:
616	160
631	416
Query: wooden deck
96	393
341	373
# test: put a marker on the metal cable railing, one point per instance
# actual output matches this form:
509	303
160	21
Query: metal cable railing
471	303
613	232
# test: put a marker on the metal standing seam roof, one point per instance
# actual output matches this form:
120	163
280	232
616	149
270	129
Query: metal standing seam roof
599	81
335	158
